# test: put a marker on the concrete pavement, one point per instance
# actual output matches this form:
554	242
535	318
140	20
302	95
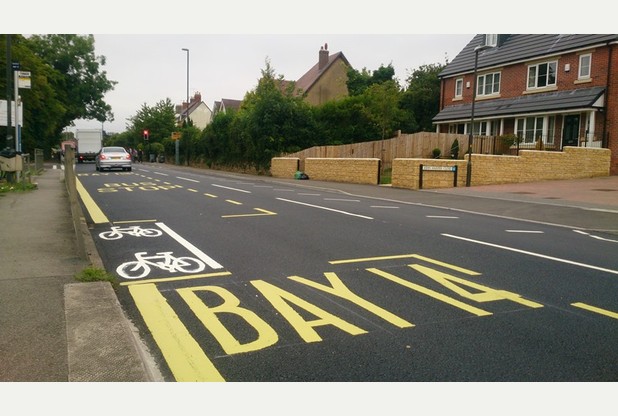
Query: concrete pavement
56	329
52	327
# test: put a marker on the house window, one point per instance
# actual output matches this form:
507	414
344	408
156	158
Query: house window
542	75
480	128
584	66
488	84
491	40
458	88
530	129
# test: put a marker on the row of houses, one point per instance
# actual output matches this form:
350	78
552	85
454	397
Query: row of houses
324	81
555	90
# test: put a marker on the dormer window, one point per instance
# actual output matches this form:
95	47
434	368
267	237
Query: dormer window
491	40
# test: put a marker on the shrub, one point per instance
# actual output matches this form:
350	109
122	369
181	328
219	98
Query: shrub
436	153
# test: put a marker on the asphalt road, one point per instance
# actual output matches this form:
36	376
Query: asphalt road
239	278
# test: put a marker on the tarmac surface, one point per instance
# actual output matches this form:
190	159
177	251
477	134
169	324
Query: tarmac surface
55	329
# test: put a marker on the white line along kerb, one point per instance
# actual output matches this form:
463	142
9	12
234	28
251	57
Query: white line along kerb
196	251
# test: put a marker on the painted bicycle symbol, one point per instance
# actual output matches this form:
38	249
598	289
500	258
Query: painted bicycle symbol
136	231
164	261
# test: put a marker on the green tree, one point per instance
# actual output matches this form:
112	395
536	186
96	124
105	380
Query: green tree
343	122
159	120
382	106
422	96
273	121
83	83
359	81
42	111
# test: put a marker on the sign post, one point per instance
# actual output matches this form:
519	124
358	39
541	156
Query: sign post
22	80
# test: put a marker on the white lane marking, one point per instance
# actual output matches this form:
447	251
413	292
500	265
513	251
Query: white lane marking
530	253
383	206
187	179
525	231
308	194
341	199
325	208
232	189
196	251
441	216
596	236
283	190
161	173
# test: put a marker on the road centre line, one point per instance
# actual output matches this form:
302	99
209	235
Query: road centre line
326	208
524	231
187	179
441	216
595	236
342	199
161	173
196	251
231	189
308	194
530	253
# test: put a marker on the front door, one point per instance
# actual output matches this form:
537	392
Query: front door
570	133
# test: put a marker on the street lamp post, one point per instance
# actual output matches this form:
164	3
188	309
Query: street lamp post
470	134
177	140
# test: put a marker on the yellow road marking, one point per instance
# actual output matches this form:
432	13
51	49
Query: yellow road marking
233	202
595	309
448	266
406	256
174	279
263	213
183	354
211	195
401	256
192	190
432	293
93	209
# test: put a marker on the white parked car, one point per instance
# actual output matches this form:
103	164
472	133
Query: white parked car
111	157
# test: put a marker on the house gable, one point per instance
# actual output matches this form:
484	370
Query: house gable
326	80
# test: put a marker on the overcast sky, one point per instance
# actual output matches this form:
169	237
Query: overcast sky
151	68
230	43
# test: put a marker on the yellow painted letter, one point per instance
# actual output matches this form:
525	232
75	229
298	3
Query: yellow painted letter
337	288
208	315
278	298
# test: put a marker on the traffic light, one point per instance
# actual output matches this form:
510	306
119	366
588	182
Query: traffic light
146	135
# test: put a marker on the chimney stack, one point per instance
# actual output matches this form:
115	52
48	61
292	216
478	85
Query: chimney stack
323	61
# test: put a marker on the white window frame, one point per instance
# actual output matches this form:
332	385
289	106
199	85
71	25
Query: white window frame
534	78
585	69
458	87
529	133
491	40
483	88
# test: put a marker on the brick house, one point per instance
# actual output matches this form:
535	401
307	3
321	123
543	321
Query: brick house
549	90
